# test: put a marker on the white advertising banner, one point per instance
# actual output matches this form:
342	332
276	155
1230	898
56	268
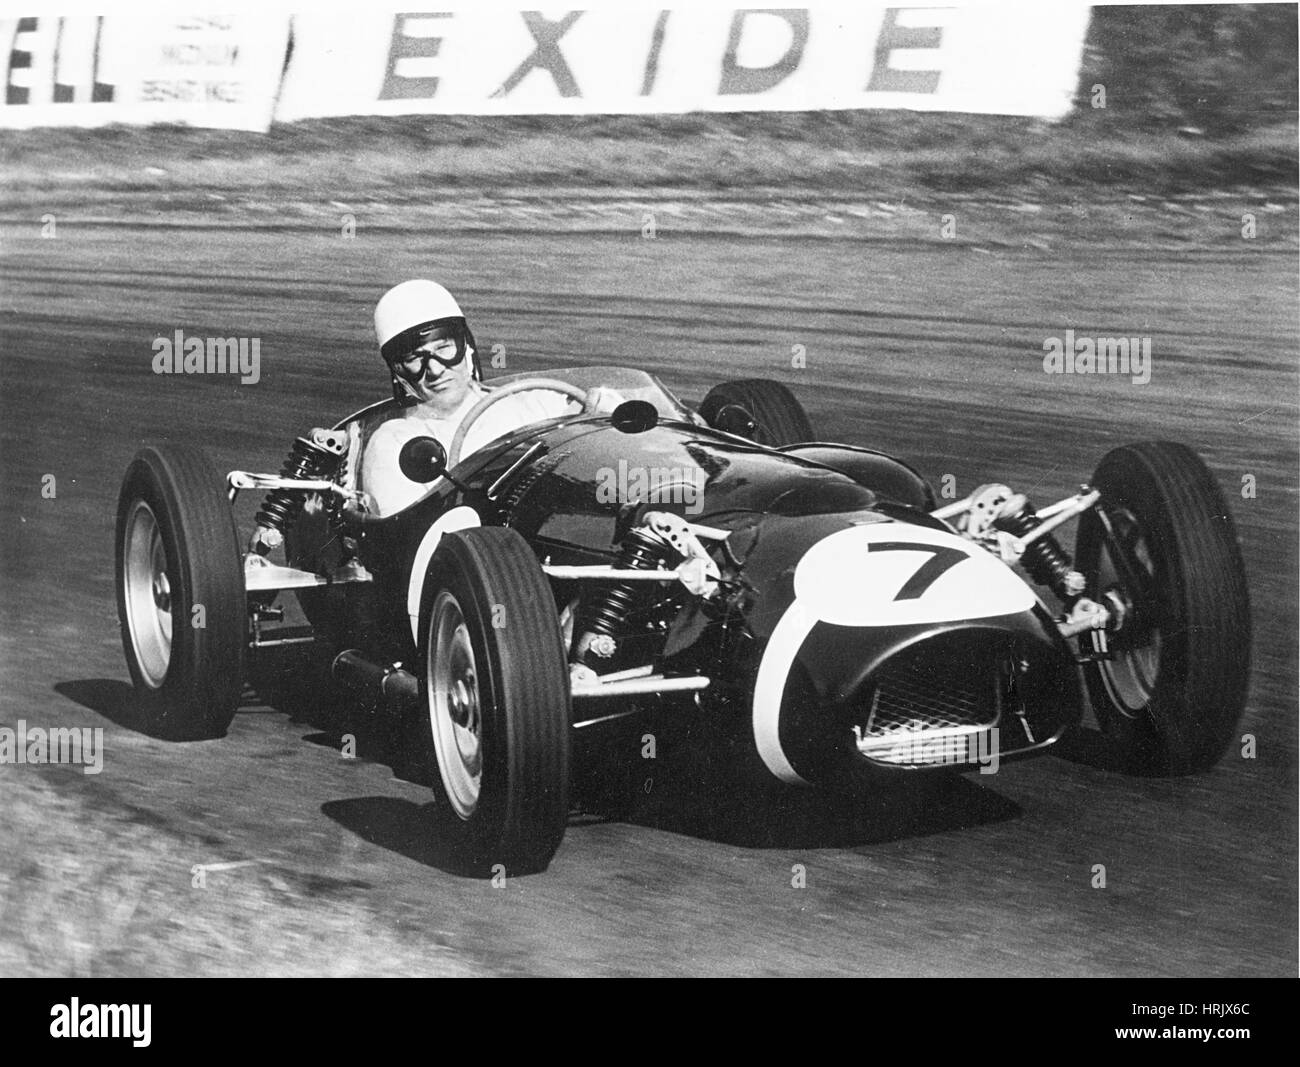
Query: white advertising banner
86	70
616	57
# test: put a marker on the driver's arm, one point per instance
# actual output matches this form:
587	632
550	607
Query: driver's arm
390	490
602	399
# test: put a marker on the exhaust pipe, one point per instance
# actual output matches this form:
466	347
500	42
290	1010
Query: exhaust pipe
386	685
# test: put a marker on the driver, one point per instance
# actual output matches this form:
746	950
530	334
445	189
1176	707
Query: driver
431	356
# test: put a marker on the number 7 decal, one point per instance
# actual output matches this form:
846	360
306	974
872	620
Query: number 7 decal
942	559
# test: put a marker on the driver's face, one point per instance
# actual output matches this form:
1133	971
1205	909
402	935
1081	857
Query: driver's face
442	389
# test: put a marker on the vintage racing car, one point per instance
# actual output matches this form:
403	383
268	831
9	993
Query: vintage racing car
650	559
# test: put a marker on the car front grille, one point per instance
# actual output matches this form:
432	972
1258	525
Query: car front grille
931	701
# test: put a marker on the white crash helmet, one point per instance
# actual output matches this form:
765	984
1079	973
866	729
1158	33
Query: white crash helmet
412	314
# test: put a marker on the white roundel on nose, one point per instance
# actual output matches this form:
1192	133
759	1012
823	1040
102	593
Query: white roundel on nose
893	574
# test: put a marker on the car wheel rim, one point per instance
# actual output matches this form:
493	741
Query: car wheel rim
148	594
455	714
1130	677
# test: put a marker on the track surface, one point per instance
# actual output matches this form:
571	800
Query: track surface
931	352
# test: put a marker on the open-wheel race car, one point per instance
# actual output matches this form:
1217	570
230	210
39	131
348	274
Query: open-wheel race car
646	558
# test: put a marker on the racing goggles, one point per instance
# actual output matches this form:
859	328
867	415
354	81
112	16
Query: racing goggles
415	364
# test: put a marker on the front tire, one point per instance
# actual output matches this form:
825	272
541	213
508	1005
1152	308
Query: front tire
781	418
497	698
1161	543
180	593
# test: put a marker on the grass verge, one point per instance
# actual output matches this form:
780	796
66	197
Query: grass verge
845	154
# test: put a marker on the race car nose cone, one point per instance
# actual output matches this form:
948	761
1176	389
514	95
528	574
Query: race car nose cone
634	416
891	574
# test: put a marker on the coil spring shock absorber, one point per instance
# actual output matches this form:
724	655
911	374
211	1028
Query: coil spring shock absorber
1045	560
311	457
604	612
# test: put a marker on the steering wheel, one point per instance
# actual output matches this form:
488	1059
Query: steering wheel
548	385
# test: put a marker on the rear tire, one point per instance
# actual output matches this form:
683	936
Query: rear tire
180	593
1174	692
497	703
781	418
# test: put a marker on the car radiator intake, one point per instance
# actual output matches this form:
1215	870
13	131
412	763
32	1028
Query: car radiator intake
942	689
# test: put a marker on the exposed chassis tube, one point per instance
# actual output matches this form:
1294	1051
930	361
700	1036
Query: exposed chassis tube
1053	515
237	480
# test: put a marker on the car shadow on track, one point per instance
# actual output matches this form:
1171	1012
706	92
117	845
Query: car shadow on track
704	791
398	825
1091	748
816	820
296	684
115	701
111	698
712	795
699	789
742	817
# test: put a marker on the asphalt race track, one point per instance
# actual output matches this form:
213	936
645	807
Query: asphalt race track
930	351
